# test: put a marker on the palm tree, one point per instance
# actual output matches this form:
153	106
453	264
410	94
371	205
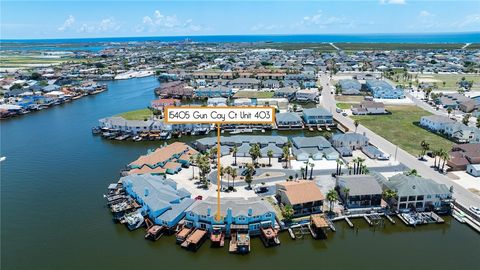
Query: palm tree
389	194
234	152
302	172
478	122
254	152
356	123
233	174
311	170
347	193
466	119
286	155
449	111
412	172
445	157
288	212
332	196
435	155
270	155
425	147
306	169
191	160
355	160
339	166
249	177
213	153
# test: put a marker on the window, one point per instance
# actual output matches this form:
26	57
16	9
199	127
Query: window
420	198
403	199
411	198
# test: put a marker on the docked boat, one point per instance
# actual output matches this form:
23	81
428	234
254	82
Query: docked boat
269	237
182	235
195	240
133	220
240	243
217	237
137	138
2	159
165	135
122	137
154	232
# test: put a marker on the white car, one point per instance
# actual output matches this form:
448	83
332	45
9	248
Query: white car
475	210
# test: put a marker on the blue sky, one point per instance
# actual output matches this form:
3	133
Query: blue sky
68	19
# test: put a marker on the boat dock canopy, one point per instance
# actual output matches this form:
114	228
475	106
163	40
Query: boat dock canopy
196	236
319	221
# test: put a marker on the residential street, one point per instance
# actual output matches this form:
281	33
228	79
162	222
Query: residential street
461	194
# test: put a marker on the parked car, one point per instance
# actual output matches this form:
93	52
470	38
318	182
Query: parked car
344	114
259	190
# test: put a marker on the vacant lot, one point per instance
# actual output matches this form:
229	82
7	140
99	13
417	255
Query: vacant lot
253	94
400	128
349	99
137	115
450	80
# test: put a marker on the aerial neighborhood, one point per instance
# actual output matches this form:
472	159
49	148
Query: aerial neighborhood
383	135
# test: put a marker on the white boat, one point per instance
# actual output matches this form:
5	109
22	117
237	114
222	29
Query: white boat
2	158
134	220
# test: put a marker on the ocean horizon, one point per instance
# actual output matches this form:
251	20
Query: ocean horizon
469	37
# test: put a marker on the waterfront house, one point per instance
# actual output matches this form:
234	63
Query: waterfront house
313	147
126	126
175	89
414	193
359	191
368	107
171	158
252	214
159	104
350	87
213	91
288	120
303	196
317	116
383	90
435	123
161	200
206	143
242	102
306	95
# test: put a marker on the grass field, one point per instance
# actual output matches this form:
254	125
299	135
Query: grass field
344	106
253	94
400	128
137	115
349	99
450	80
397	46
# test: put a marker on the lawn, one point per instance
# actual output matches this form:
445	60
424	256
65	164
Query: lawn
450	80
253	94
400	128
137	115
344	106
349	99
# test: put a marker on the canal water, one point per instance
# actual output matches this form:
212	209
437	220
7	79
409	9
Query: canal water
53	215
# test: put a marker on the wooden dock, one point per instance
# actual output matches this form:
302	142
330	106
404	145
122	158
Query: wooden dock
367	220
349	222
390	219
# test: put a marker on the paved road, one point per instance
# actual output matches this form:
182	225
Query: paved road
213	174
461	194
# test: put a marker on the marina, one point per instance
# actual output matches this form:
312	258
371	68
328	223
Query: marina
97	237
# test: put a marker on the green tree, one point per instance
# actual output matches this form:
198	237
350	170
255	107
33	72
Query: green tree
234	152
311	170
356	123
288	212
233	174
412	172
270	155
466	119
254	153
332	197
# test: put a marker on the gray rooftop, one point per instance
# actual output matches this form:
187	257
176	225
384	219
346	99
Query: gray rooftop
359	184
239	206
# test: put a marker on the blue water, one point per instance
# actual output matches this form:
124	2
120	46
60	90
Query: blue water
472	37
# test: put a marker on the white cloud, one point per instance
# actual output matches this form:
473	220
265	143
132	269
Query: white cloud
105	25
471	20
393	2
68	23
424	14
167	23
321	20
